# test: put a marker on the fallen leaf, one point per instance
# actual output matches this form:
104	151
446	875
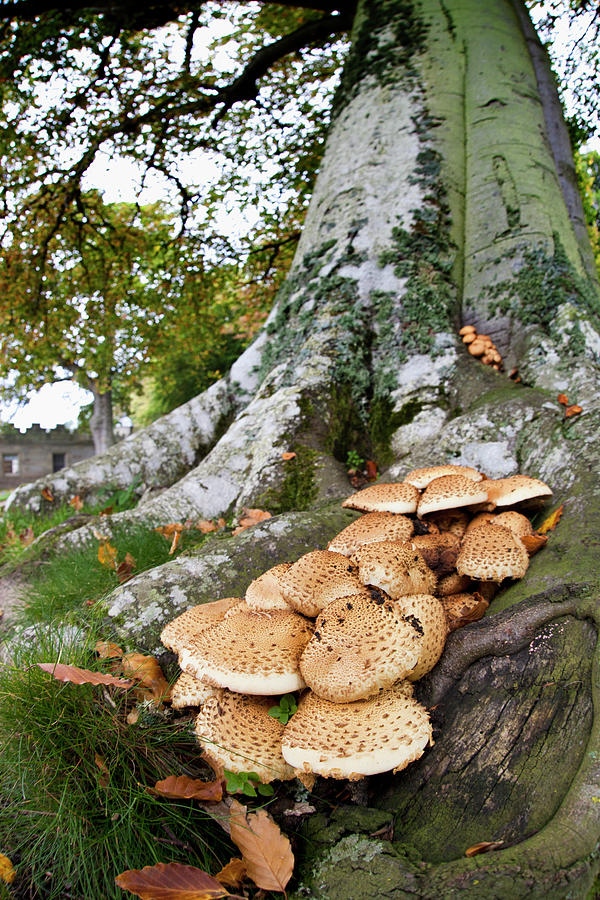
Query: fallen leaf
483	847
7	870
205	526
104	777
107	650
251	517
152	684
171	881
107	511
27	537
107	555
125	568
63	672
76	502
288	455
573	410
233	873
174	542
265	850
534	542
47	495
133	716
550	523
370	470
170	529
562	398
180	787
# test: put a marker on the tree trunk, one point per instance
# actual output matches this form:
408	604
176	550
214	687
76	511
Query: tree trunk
438	203
101	420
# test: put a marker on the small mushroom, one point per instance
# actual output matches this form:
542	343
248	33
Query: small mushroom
398	497
394	567
516	489
195	620
351	740
420	478
238	734
463	608
451	492
440	551
492	553
371	529
318	578
189	691
265	591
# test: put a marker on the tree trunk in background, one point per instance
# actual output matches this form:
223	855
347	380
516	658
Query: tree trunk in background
101	420
438	203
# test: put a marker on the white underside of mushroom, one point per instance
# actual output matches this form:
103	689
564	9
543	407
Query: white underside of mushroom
242	682
359	764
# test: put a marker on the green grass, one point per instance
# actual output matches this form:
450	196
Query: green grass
67	830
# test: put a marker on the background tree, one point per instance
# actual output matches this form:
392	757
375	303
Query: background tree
446	195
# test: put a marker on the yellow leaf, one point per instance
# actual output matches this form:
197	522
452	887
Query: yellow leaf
551	522
483	847
107	555
7	870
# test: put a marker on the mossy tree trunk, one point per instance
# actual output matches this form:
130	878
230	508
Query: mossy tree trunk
438	203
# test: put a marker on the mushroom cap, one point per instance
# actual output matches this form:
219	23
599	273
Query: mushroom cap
238	734
452	584
454	521
361	644
451	492
492	553
316	579
482	518
428	614
371	529
189	691
395	567
265	591
195	620
422	477
398	497
250	652
463	608
515	522
515	489
351	740
440	551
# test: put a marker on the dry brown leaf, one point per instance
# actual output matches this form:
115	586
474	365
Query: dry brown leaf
171	881
534	542
174	542
7	870
573	410
483	847
76	502
27	537
126	568
152	684
288	455
265	850
107	511
107	650
170	529
63	672
107	555
47	495
370	470
233	873
104	776
205	526
550	523
562	398
251	517
180	787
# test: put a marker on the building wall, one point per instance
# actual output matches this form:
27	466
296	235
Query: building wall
35	453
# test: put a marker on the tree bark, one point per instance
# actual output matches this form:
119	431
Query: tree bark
438	203
101	420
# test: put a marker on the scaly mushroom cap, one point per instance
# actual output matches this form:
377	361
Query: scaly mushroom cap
351	740
453	584
515	489
188	691
440	551
250	652
371	529
265	591
238	734
462	609
482	518
394	497
394	567
316	579
453	521
427	614
450	492
420	478
195	620
515	522
361	645
492	553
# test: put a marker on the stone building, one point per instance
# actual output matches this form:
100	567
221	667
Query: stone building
36	452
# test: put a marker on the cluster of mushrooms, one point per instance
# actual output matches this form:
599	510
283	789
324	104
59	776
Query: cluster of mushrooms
351	628
481	346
